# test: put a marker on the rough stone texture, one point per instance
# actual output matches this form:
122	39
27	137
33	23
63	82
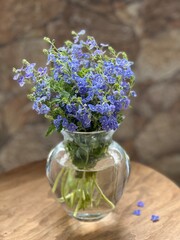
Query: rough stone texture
26	146
160	16
147	30
159	137
19	17
158	57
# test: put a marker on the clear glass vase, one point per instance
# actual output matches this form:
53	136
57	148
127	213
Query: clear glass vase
88	172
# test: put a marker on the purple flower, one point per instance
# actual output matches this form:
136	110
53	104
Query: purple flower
42	71
85	82
98	52
125	85
92	107
90	96
111	80
118	105
65	123
71	108
140	204
98	80
20	79
16	76
44	109
125	102
91	43
111	99
29	70
124	63
122	92
104	123
83	117
72	127
112	122
133	94
82	32
40	108
137	212
57	122
51	58
128	73
155	218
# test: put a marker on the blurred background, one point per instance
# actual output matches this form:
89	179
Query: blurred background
147	30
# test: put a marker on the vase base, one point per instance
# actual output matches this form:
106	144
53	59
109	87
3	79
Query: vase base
89	217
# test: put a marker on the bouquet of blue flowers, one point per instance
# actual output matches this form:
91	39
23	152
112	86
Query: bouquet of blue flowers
84	87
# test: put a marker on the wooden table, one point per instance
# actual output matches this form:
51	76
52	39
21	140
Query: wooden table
28	210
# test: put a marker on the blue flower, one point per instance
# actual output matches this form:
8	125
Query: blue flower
44	109
65	123
20	79
42	71
137	212
72	127
112	122
87	82
82	32
111	99
125	102
124	63
155	218
118	105
125	86
91	43
140	204
98	80
104	123
51	58
71	108
111	80
128	73
29	70
40	108
97	52
133	93
92	107
16	77
89	98
57	122
76	38
84	117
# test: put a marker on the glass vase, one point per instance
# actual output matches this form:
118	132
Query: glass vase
88	172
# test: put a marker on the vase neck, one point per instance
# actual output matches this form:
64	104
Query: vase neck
86	149
88	138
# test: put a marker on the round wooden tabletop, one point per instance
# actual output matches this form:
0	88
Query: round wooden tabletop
28	210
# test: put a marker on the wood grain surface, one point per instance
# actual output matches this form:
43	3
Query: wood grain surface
28	210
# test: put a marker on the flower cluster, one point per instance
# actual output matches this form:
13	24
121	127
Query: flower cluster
137	212
83	87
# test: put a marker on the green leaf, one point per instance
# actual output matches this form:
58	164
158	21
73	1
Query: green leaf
112	51
124	55
74	33
50	130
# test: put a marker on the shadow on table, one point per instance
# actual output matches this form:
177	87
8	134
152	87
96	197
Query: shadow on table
106	229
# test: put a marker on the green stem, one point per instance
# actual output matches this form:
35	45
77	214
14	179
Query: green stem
79	193
77	207
63	186
103	196
57	180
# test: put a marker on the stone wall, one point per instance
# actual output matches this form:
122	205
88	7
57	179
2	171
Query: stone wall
147	30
